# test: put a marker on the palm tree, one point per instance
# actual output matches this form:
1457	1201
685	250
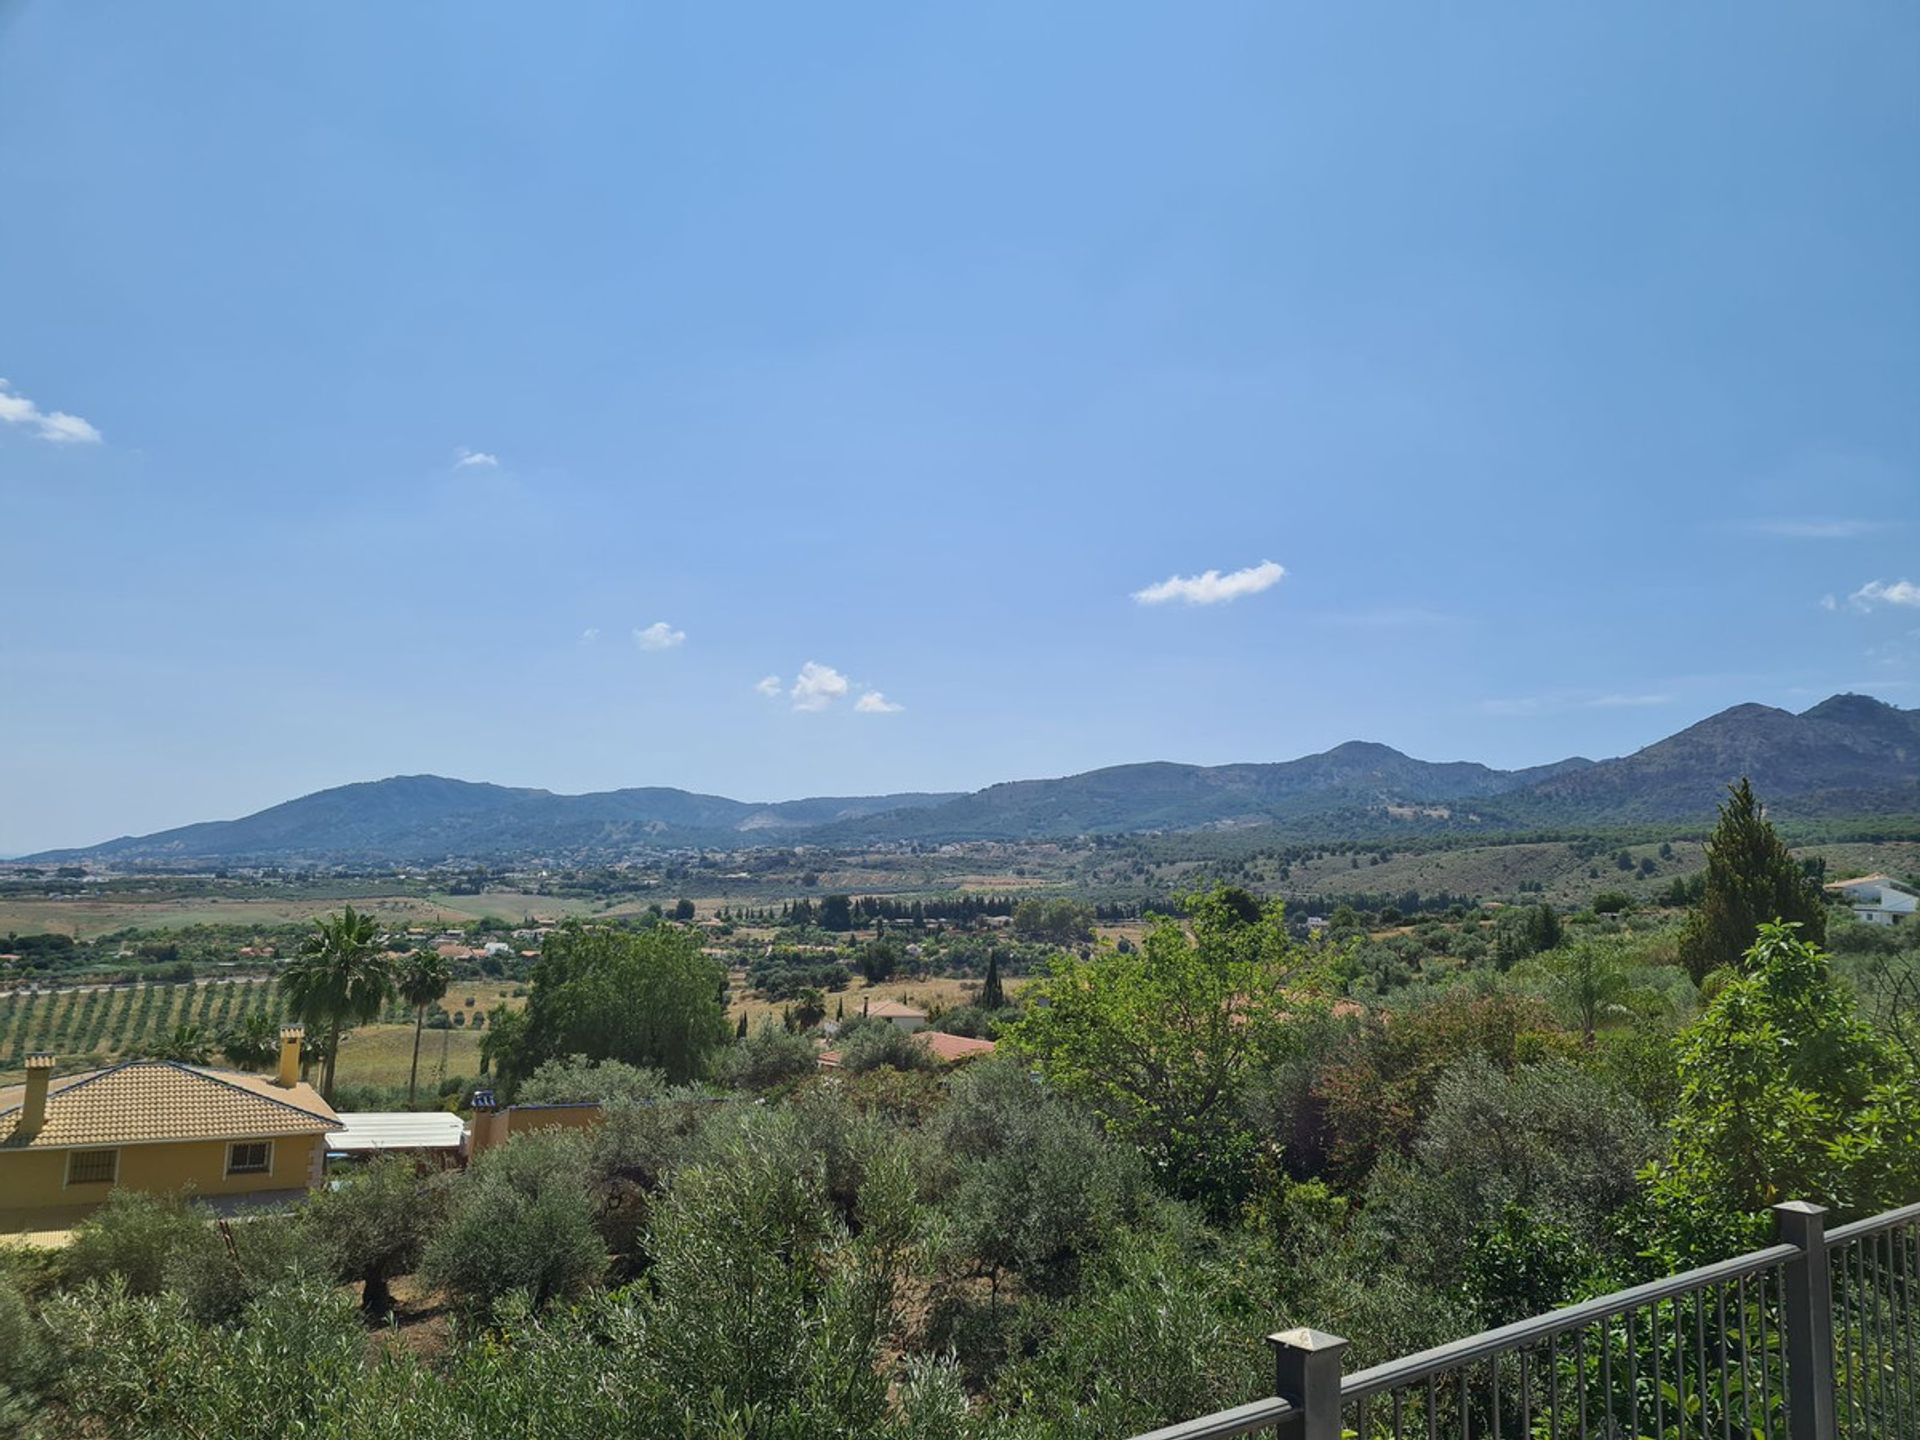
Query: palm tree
336	982
423	977
253	1043
188	1044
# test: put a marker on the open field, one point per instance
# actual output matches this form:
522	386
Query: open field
380	1054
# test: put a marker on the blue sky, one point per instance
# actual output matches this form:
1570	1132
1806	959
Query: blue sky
1564	360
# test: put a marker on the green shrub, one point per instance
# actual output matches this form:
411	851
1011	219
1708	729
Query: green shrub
767	1059
136	1236
870	1044
520	1221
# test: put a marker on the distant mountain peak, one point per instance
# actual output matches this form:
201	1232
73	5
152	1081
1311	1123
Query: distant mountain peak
1851	707
1850	754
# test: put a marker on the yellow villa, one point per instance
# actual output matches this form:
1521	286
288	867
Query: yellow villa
157	1125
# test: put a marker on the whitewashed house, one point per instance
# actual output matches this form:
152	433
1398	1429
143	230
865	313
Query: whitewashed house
1878	899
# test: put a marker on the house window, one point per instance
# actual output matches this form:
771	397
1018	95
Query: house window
92	1167
250	1157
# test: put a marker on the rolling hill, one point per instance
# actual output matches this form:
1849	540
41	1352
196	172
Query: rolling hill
1848	755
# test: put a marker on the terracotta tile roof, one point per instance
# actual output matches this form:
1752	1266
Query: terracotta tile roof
894	1010
950	1048
148	1100
947	1049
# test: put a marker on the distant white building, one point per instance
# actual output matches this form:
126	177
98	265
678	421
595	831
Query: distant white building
1878	899
904	1016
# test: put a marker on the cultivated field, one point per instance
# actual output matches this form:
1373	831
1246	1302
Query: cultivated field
95	1025
102	1022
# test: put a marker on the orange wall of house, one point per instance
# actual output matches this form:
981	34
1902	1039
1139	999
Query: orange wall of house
36	1179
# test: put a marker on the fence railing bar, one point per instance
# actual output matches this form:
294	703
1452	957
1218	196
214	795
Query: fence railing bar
1766	1365
1909	1273
1556	1322
1231	1424
1841	1234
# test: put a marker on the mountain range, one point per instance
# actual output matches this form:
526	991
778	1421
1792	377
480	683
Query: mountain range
1848	755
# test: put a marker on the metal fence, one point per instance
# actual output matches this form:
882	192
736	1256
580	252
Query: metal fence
1814	1338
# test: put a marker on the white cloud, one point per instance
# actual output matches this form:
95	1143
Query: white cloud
465	458
1880	592
659	636
1211	587
1815	529
589	635
821	687
56	427
1828	602
818	686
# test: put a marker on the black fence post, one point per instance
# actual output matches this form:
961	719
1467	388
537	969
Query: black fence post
1306	1370
1808	1320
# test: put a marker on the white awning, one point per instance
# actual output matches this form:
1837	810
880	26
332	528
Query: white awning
398	1130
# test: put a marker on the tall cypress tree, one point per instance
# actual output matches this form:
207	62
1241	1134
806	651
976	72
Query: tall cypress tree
992	996
1751	880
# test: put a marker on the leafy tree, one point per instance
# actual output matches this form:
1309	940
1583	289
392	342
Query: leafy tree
1033	1185
1161	1043
768	1301
683	910
1054	922
253	1043
649	998
768	1059
1751	879
836	912
1523	930
1591	982
871	1044
134	1237
337	981
503	1052
1533	1167
372	1226
521	1221
1374	1094
422	979
879	960
1786	1094
809	1008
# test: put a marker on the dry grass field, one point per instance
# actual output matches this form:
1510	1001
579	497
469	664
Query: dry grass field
921	994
